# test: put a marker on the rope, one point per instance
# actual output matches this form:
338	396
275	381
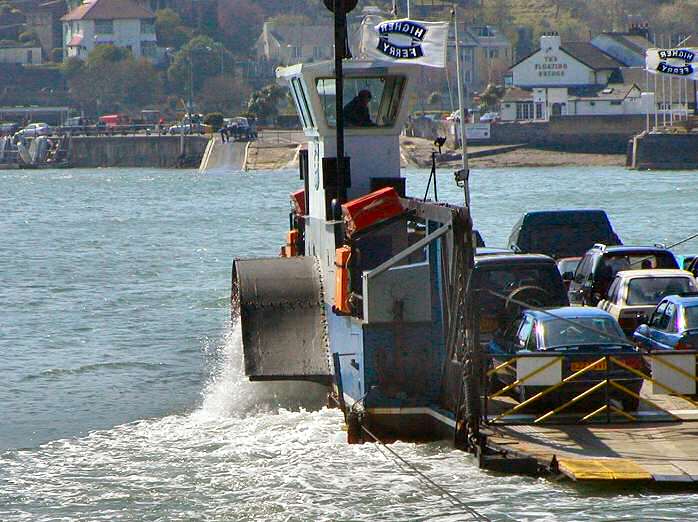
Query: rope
530	306
454	500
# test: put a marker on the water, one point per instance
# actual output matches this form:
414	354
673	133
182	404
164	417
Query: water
121	395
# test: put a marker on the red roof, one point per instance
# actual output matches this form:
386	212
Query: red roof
75	40
108	10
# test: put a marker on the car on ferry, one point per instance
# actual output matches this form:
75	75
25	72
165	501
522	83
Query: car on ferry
601	263
634	294
562	233
673	325
567	267
504	280
581	335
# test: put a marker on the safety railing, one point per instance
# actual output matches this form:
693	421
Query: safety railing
541	387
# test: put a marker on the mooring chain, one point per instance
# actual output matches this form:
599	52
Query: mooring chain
450	496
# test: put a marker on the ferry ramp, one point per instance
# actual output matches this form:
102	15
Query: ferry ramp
656	440
228	156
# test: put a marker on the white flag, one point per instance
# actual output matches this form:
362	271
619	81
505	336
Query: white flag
679	63
406	41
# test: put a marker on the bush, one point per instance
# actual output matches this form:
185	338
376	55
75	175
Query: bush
214	119
57	55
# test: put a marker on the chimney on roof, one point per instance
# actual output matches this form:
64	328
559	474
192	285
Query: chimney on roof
550	41
640	29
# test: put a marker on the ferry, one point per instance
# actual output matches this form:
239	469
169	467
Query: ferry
375	295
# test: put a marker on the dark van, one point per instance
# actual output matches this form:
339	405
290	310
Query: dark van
562	233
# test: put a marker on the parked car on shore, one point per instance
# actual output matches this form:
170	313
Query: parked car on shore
8	128
601	263
581	335
634	294
34	129
489	117
187	128
562	233
673	325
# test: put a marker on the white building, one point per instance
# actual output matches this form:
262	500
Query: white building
20	54
570	79
122	23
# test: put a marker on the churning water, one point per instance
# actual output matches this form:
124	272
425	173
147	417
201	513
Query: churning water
122	396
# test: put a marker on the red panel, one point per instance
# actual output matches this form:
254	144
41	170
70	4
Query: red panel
370	209
298	201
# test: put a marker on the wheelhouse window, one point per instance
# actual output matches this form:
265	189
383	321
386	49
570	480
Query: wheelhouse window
368	101
301	103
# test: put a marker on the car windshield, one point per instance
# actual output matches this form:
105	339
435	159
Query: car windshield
568	265
557	333
611	264
651	290
506	279
691	317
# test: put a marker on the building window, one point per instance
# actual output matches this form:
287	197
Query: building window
466	77
494	53
615	102
104	26
296	52
317	52
524	111
30	56
539	110
147	27
149	49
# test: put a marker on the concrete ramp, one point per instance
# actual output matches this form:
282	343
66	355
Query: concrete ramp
228	156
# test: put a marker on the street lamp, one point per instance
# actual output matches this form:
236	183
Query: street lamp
191	76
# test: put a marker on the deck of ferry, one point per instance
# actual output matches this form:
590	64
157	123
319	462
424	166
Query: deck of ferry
660	446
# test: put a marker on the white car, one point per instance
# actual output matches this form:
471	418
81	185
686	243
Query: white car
35	129
634	294
187	128
489	117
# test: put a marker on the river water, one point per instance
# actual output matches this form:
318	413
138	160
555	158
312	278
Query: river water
121	396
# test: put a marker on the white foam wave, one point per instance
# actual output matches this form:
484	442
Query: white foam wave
229	392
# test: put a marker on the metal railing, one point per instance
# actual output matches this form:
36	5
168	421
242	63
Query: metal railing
546	387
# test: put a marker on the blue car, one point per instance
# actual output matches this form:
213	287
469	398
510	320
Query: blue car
582	335
672	326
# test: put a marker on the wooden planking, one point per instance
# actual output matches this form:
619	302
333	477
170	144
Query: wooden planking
667	451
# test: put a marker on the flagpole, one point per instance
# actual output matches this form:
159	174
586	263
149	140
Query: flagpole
461	109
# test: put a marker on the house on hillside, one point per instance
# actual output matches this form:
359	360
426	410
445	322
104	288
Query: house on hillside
628	48
44	18
570	79
20	54
485	55
284	44
122	23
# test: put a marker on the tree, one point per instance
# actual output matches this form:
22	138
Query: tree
105	54
72	67
169	29
225	93
111	80
240	23
263	104
490	97
201	58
